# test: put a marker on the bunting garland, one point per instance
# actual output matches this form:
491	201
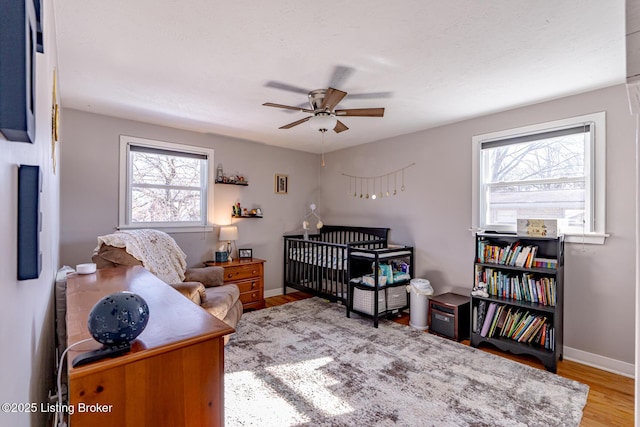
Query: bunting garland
377	183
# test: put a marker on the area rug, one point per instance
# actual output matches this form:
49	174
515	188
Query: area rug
306	364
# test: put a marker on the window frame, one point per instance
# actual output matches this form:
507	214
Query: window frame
595	160
125	186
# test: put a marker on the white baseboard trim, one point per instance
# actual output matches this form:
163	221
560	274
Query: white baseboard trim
596	361
590	359
275	292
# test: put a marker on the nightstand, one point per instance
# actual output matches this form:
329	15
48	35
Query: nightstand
248	275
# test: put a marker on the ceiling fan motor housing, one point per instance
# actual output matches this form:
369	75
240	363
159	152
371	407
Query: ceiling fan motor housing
316	97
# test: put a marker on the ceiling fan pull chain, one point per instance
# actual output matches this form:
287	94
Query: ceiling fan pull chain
323	131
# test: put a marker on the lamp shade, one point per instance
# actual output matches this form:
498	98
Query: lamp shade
323	122
229	233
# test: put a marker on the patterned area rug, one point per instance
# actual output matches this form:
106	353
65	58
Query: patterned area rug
306	364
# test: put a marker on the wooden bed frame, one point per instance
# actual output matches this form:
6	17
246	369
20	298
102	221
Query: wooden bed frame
320	265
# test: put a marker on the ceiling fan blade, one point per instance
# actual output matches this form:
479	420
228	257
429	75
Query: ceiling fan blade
361	112
370	95
332	98
340	75
290	125
285	86
340	127
287	107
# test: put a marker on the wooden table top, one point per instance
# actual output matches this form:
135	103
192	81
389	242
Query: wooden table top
174	321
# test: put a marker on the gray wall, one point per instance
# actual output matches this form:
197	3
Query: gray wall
26	307
89	189
434	214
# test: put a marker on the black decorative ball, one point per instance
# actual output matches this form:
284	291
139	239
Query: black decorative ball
118	318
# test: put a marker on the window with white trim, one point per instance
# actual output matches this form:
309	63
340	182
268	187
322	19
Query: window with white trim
545	171
165	185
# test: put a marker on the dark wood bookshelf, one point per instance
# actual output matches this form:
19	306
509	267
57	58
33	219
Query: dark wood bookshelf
548	248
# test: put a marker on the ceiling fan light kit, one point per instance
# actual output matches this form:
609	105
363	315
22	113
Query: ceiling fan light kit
323	122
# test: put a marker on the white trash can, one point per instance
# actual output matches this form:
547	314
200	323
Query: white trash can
420	290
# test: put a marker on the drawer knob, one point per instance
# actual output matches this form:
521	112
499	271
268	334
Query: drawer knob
253	272
229	275
253	285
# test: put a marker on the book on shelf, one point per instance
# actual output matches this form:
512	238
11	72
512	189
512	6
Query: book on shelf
502	320
494	321
550	263
488	319
482	308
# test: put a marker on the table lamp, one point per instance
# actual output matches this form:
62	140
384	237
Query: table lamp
228	233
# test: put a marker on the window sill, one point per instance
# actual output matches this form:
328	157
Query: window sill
170	229
588	238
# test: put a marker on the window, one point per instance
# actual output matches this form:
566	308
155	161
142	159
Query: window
164	185
551	170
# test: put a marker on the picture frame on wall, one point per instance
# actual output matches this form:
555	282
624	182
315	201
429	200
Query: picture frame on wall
245	253
29	222
281	184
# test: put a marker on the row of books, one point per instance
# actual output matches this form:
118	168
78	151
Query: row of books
514	254
504	321
522	287
550	263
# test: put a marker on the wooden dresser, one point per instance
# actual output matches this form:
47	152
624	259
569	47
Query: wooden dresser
248	275
174	373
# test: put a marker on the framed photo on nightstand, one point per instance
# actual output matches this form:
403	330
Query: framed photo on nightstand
245	253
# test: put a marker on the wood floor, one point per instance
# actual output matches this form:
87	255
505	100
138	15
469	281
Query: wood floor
610	400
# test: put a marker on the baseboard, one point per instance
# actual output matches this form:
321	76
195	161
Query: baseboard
275	292
596	361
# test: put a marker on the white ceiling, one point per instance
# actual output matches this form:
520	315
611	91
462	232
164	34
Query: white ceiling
208	66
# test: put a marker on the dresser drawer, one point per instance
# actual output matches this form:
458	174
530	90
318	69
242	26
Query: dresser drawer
249	285
249	297
242	272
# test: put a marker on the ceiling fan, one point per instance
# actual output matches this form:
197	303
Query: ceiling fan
324	116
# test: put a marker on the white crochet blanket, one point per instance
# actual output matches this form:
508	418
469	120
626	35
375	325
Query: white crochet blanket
157	251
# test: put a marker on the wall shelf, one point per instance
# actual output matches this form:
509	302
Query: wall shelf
244	184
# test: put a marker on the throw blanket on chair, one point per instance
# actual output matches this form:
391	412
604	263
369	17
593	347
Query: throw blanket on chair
157	251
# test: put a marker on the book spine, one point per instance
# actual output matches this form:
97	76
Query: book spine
488	318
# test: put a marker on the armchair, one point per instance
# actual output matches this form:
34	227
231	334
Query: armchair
160	254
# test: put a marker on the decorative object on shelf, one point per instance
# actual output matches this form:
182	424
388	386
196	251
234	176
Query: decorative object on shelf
245	253
115	321
237	179
219	174
281	184
378	183
305	222
240	212
540	227
229	234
